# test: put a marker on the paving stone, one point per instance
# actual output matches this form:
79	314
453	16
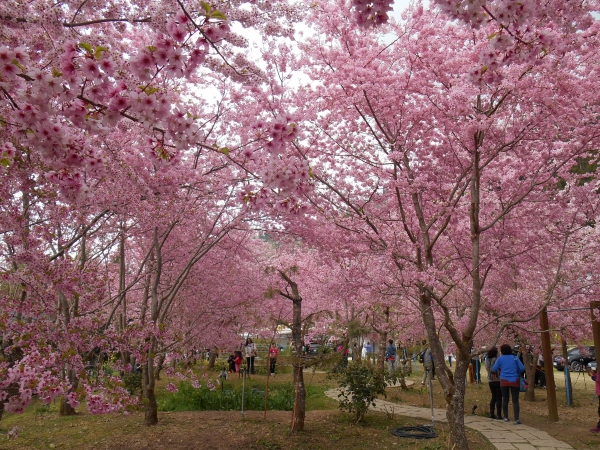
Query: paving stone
505	446
550	442
525	447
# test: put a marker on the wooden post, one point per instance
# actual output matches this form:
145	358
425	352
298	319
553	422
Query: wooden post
549	369
595	326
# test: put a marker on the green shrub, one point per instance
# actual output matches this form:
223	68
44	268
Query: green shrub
361	383
133	382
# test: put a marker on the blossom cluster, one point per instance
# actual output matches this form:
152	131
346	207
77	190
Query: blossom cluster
108	398
505	12
34	375
370	13
91	86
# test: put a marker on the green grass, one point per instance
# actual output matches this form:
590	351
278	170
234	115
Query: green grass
280	397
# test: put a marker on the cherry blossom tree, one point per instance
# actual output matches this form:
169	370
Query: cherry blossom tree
453	179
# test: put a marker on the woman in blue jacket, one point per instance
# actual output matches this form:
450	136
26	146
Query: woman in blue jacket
510	368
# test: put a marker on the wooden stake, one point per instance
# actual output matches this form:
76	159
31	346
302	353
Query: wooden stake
548	367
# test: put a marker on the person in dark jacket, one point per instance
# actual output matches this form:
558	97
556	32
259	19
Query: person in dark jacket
494	383
390	357
510	368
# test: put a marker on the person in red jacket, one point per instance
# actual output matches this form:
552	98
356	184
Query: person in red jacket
596	378
273	353
237	361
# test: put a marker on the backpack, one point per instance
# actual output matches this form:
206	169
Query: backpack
492	376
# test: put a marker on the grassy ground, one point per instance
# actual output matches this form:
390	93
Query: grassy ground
326	428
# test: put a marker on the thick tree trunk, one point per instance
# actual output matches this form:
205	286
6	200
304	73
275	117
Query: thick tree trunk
65	408
453	384
151	416
455	410
300	401
530	363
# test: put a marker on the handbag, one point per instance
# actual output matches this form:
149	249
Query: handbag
523	385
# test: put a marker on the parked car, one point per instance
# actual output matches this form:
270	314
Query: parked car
314	348
578	359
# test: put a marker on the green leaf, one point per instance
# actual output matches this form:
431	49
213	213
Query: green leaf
18	64
492	36
56	73
310	172
5	162
224	150
87	47
218	15
206	7
99	50
149	89
151	48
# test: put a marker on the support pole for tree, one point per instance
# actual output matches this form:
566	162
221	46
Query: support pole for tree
568	385
595	325
548	367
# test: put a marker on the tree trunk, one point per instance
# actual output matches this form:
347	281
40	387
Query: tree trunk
455	411
65	408
151	416
300	401
159	367
213	358
11	390
300	390
149	381
300	397
530	363
453	384
400	374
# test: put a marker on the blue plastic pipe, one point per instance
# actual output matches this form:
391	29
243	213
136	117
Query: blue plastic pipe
568	387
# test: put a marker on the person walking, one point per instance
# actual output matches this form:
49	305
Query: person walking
250	352
427	359
494	383
273	353
390	357
510	368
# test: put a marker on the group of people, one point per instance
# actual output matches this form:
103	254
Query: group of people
504	378
249	351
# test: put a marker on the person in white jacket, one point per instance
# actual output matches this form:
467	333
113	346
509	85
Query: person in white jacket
250	353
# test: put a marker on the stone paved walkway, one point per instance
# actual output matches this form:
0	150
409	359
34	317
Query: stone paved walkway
503	435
